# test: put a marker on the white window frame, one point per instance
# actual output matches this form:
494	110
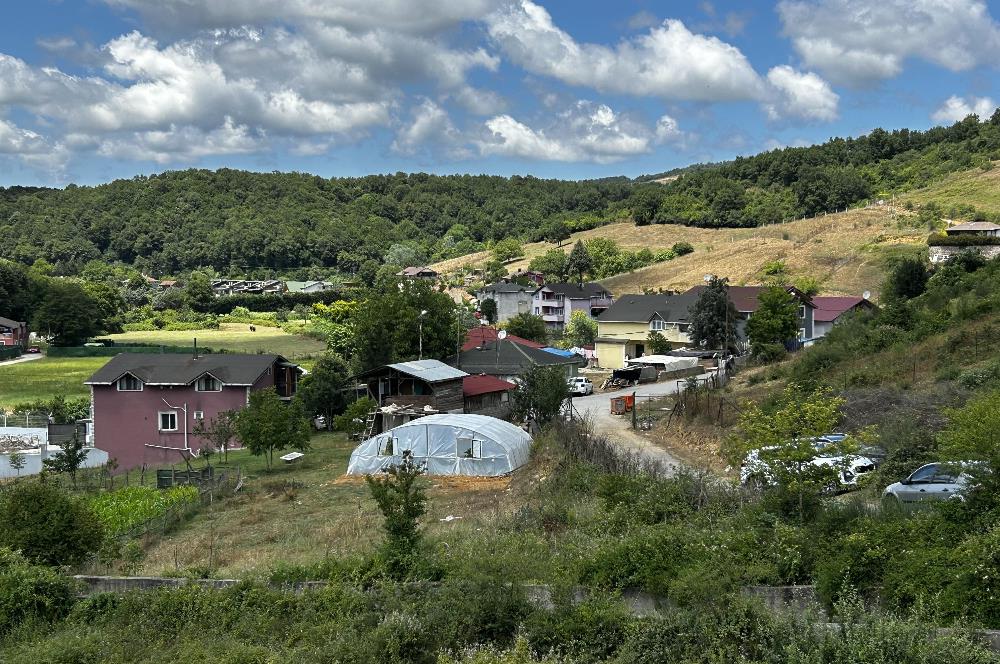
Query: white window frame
199	414
118	383
198	383
802	334
159	420
802	311
657	324
504	397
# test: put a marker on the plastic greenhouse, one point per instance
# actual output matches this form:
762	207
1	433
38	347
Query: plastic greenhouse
448	444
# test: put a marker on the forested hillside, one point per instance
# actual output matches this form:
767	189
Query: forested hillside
295	224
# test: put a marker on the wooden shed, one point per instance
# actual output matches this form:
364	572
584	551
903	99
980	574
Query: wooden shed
417	384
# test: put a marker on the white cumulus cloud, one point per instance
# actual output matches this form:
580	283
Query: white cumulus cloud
957	108
668	61
800	94
858	42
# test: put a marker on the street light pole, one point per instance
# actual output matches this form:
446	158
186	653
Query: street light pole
420	327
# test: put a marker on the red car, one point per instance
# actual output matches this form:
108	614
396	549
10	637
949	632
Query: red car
33	350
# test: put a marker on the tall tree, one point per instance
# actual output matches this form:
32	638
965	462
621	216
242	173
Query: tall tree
527	326
488	308
268	424
776	319
579	264
908	279
557	232
552	264
713	317
322	391
67	314
198	291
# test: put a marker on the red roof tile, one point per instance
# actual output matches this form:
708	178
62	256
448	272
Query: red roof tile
475	385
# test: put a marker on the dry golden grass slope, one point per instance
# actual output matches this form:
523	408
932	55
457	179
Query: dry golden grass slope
843	251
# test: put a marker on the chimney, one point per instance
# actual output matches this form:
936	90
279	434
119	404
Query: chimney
196	348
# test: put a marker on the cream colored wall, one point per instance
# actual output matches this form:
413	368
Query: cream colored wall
612	356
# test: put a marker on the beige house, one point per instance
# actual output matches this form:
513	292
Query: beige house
623	330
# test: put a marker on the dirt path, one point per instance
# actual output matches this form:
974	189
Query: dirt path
618	427
23	358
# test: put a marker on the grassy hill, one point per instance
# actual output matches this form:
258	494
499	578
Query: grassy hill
976	187
845	252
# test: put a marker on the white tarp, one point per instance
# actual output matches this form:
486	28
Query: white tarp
448	444
668	362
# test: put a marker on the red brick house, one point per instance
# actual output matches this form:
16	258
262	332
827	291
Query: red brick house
12	332
145	406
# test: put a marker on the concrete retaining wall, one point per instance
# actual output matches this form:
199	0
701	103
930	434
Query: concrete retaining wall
941	254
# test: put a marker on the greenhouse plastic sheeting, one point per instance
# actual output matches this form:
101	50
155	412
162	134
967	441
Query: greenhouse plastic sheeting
447	444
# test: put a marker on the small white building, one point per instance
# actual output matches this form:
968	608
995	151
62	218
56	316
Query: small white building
32	443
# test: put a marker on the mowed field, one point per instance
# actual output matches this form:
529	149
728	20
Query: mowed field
974	187
235	337
844	252
45	378
308	512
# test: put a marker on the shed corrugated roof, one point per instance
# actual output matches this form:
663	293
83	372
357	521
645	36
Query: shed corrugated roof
431	371
182	369
475	385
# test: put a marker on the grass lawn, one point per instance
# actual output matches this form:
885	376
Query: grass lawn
235	337
305	512
46	378
973	187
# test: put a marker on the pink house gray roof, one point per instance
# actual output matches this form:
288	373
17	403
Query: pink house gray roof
184	369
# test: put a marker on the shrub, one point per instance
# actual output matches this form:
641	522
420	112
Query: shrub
682	248
942	240
47	525
768	353
31	592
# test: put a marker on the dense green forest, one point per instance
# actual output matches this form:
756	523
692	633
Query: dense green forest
305	226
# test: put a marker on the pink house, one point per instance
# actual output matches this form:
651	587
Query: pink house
145	406
12	332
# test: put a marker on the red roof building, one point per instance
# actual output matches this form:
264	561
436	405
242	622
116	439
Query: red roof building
830	308
483	335
487	395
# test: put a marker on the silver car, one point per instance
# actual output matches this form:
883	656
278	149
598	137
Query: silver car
930	482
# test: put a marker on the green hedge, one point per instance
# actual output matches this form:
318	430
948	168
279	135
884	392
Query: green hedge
10	352
942	240
111	351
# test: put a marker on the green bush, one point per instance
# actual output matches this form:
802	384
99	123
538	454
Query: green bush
47	525
943	240
120	511
31	592
768	353
682	248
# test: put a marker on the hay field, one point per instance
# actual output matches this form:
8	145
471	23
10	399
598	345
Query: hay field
234	337
976	187
843	251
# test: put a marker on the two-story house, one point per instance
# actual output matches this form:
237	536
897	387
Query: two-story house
746	301
145	407
13	332
623	330
511	298
555	303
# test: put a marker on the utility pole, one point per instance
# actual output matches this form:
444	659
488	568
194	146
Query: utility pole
420	326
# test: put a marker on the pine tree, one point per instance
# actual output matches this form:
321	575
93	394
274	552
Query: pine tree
579	262
713	317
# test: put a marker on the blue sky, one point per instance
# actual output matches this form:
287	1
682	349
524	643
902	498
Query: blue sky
92	90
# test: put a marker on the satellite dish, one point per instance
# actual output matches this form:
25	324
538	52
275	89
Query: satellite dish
867	295
501	335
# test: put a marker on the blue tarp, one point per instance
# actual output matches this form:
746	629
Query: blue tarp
559	351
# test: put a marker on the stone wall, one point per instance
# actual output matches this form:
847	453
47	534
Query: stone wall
942	254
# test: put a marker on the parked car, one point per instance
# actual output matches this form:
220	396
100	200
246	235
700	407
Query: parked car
33	350
580	386
930	482
851	467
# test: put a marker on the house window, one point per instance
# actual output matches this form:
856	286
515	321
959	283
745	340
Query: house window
504	397
802	311
465	447
657	325
129	383
199	414
802	334
168	420
385	446
683	327
208	383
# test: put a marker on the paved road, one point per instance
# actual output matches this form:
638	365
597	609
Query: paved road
597	407
23	358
